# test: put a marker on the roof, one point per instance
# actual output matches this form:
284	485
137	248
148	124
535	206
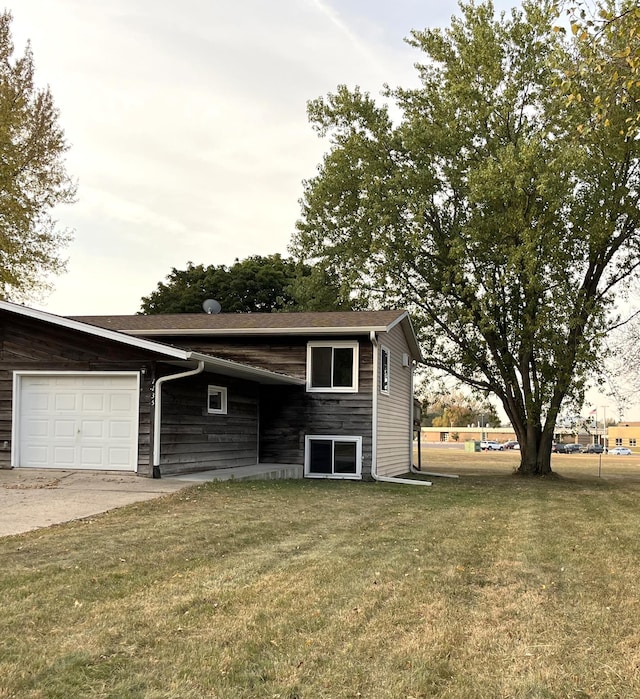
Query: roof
235	324
160	349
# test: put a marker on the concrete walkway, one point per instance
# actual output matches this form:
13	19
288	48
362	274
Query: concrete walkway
32	498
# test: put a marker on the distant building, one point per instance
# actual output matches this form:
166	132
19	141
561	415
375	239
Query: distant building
626	434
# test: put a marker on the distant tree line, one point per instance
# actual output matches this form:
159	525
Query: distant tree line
456	409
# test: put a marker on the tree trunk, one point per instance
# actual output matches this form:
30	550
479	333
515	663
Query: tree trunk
535	455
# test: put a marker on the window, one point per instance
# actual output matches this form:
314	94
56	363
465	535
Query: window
328	456
632	442
217	400
618	441
385	359
332	367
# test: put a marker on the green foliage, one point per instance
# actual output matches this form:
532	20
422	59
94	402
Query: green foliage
604	71
484	210
33	179
254	285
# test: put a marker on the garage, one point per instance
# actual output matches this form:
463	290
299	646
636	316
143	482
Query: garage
76	420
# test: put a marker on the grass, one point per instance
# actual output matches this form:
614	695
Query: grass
488	586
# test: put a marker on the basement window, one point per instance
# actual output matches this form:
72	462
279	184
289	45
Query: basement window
330	456
217	400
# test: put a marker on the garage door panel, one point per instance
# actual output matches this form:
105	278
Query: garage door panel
64	429
64	457
37	457
38	428
66	402
92	429
119	429
118	456
73	421
92	456
119	403
37	402
93	402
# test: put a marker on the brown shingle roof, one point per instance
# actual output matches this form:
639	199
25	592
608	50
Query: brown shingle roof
226	322
320	323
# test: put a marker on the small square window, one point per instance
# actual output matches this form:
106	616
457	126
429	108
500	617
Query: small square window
632	442
217	400
618	441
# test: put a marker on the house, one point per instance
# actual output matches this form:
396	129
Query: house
164	395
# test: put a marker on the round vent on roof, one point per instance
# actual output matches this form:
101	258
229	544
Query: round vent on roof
211	306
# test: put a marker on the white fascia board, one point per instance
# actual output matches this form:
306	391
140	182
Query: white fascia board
410	334
230	332
228	368
87	329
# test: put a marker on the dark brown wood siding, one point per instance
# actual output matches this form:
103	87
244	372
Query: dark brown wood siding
288	413
195	440
28	344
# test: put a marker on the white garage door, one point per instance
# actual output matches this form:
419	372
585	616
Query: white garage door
83	421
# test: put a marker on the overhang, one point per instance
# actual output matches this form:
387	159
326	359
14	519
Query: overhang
162	351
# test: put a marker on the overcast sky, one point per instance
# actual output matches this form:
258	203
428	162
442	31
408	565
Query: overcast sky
187	123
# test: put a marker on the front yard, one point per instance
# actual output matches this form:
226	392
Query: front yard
484	587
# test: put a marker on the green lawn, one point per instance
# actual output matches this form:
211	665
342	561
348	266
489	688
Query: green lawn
487	586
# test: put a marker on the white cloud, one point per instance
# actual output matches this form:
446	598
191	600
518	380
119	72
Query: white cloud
188	123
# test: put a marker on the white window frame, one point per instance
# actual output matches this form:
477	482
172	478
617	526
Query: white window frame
333	438
222	390
352	344
385	351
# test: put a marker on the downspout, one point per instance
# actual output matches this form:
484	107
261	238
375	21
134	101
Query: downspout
157	411
374	425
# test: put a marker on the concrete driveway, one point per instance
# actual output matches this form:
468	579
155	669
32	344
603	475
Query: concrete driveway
34	498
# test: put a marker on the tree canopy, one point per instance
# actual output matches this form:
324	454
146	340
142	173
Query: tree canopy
487	208
33	178
608	50
257	284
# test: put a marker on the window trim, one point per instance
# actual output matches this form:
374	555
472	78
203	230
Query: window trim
339	344
222	390
385	390
333	438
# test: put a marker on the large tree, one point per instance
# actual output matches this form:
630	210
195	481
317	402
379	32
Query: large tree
608	39
33	178
253	285
485	207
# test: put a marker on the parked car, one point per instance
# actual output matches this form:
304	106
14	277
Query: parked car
511	444
559	448
594	449
620	451
573	448
490	445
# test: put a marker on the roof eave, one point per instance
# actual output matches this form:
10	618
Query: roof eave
95	330
244	371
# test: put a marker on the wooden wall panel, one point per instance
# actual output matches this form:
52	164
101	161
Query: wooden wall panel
194	440
27	344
